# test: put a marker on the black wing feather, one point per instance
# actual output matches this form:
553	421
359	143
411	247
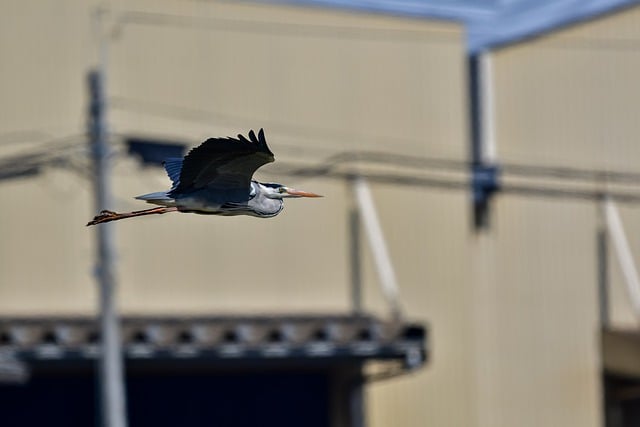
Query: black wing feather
224	163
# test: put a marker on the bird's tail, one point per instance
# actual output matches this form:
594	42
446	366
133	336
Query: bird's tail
158	198
106	216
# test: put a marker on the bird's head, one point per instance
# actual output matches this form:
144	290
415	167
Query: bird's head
279	191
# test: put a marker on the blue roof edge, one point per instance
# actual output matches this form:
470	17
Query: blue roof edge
486	27
519	26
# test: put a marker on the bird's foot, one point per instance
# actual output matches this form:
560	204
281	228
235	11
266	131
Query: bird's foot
103	216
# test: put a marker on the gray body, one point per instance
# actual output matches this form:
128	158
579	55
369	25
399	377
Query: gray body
253	201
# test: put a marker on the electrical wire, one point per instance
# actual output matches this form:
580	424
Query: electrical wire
64	152
298	132
22	136
617	44
461	184
69	152
506	168
264	27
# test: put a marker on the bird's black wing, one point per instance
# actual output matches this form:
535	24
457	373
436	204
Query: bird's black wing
224	163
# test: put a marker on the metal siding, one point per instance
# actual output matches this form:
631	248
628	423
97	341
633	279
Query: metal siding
513	312
564	100
351	82
430	258
536	315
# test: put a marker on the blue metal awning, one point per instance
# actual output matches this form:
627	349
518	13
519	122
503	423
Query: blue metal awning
489	23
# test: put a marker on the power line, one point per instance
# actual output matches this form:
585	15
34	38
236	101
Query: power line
22	136
54	152
349	164
264	27
506	168
617	44
528	190
50	145
207	117
590	176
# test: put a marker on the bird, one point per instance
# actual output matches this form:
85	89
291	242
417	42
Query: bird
216	178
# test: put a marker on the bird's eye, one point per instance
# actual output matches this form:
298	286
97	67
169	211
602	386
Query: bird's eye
282	190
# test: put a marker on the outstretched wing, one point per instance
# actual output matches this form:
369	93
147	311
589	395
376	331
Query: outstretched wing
223	163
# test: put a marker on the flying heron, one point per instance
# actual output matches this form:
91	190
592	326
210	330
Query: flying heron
215	178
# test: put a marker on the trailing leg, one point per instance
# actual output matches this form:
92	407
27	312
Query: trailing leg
106	216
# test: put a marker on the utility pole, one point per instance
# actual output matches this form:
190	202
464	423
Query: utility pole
111	372
112	391
355	254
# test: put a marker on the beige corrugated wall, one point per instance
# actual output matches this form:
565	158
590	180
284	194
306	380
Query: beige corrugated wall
569	99
320	82
513	310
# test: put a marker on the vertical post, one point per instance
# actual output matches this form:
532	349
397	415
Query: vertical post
355	257
378	246
603	276
488	150
623	253
484	169
111	372
347	396
112	394
356	403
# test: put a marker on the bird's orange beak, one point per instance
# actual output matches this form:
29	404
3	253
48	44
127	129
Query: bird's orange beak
300	193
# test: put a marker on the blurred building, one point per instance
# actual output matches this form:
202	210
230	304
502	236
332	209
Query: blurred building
514	303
